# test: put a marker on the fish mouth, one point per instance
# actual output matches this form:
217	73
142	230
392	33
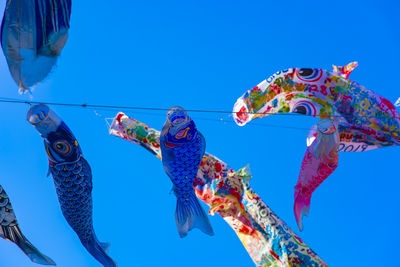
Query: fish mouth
327	126
37	114
241	113
43	119
177	115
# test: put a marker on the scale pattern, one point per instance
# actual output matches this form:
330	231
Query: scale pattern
10	230
183	171
7	215
73	182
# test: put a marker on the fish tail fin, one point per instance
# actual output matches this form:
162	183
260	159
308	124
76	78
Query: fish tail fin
301	206
189	214
99	251
14	234
346	70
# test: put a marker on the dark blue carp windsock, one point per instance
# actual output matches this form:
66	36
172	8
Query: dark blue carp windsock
72	178
33	33
182	148
10	230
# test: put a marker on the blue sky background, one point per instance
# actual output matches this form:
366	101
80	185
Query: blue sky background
204	55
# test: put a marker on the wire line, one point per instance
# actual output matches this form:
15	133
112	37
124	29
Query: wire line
12	100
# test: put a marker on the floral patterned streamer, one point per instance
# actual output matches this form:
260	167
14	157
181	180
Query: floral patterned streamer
364	120
268	240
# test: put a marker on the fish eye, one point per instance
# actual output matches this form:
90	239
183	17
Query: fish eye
306	72
62	147
309	75
305	107
300	109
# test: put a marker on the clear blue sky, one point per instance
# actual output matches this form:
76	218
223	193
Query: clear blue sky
204	55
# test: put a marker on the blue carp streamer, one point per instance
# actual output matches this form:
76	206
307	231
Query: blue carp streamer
72	178
182	148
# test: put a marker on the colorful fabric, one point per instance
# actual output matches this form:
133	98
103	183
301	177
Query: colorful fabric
268	240
72	178
10	230
363	119
319	162
33	33
182	148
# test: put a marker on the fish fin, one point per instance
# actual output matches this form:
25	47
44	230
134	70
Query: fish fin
301	207
14	234
172	190
98	251
244	173
312	135
346	70
189	214
105	246
397	104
